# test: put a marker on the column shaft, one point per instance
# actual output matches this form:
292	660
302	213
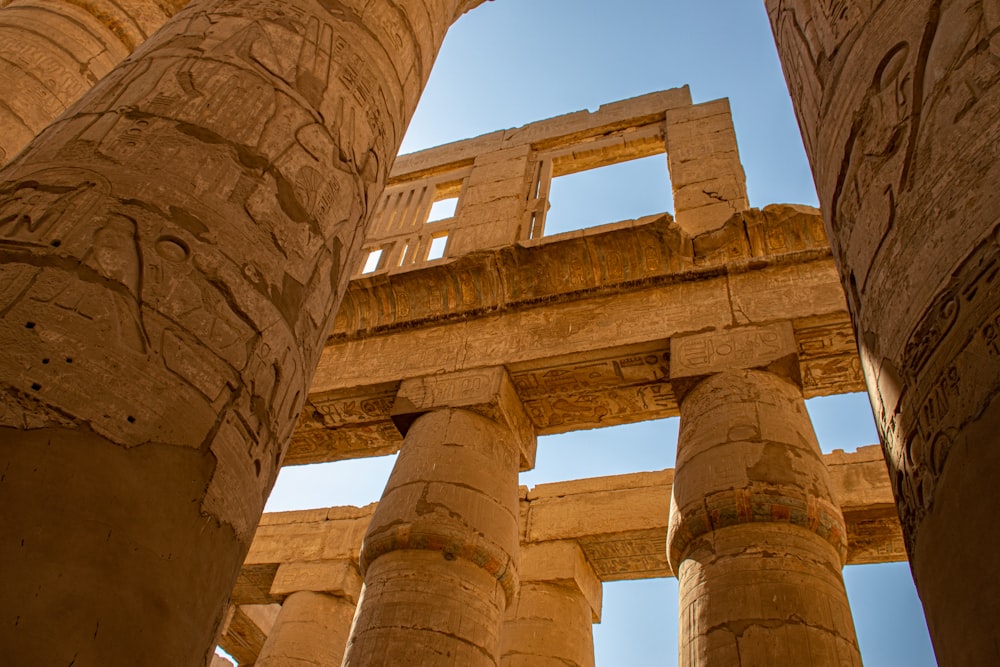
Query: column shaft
311	630
172	251
53	51
550	624
440	556
899	108
754	537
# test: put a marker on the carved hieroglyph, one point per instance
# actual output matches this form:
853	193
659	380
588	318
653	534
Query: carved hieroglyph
53	51
173	250
900	112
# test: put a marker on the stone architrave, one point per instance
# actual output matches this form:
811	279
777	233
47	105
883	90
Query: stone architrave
899	107
172	251
440	558
54	51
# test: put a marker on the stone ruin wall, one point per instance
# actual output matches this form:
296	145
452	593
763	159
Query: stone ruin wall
582	323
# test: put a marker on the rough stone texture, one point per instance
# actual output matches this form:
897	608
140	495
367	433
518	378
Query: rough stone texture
550	620
53	51
587	531
898	104
586	319
245	630
705	171
173	250
440	556
755	536
311	630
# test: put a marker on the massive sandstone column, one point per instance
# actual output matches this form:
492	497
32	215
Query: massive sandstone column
899	106
314	623
172	251
550	622
755	537
53	51
440	556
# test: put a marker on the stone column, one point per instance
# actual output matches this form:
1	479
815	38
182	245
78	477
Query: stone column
550	623
440	555
315	618
899	109
755	537
171	256
53	51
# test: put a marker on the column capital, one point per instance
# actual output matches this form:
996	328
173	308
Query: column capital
485	391
339	578
769	347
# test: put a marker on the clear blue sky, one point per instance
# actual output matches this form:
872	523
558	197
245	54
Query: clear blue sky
511	62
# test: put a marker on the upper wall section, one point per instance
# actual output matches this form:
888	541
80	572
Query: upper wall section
500	182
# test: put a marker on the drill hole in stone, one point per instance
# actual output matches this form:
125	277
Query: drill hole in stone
131	419
55	243
35	386
29	325
45	361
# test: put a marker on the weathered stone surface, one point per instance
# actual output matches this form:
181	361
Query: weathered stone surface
311	629
620	522
755	537
173	250
550	620
900	115
245	630
440	555
54	51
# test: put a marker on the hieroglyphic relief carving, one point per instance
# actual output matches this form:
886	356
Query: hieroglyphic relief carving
54	53
173	248
901	124
926	77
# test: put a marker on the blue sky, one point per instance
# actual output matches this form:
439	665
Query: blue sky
512	62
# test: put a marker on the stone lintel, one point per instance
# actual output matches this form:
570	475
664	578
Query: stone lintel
485	391
619	522
563	562
245	630
769	347
335	577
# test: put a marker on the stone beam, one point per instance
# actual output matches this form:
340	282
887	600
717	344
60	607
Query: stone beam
587	320
620	522
551	134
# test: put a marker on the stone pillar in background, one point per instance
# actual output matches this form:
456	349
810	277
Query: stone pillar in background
440	555
53	51
550	623
899	106
171	257
755	537
315	619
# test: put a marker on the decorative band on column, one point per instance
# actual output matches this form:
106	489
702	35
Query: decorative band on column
735	506
451	543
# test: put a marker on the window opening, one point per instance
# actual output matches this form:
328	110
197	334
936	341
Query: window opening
438	244
443	209
373	261
616	192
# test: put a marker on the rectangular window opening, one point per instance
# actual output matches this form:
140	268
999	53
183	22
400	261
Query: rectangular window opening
438	245
373	261
616	192
443	209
